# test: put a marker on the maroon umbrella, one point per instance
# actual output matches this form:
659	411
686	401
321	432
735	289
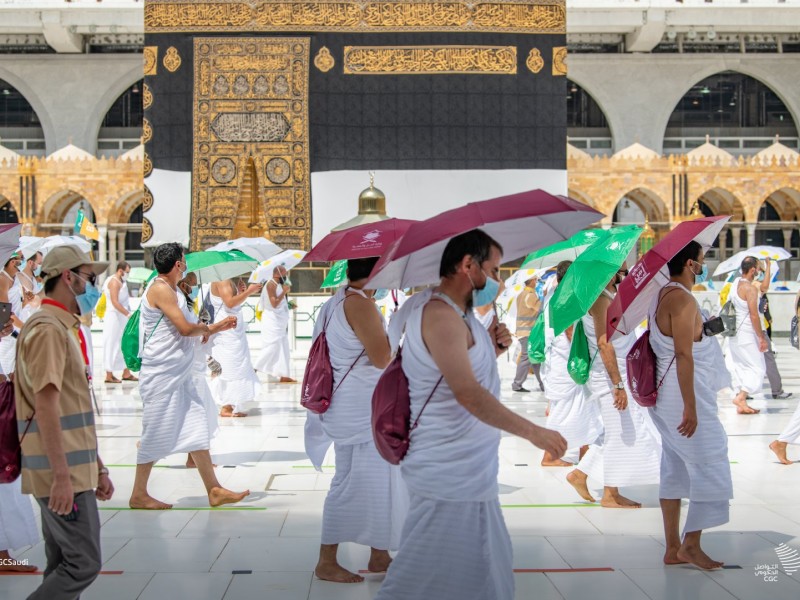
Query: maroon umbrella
521	223
361	241
650	274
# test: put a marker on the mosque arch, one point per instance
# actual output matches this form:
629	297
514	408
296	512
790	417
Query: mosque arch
20	124
587	119
8	212
638	203
121	116
581	197
62	207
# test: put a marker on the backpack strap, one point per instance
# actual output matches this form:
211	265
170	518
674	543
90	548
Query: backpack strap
433	391
664	376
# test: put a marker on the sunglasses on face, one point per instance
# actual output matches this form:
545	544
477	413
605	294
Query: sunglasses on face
89	277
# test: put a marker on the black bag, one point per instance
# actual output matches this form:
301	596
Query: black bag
728	316
793	333
207	310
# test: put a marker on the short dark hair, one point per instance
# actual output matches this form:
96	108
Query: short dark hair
475	243
690	251
50	284
166	255
750	262
13	257
34	255
360	268
122	265
561	269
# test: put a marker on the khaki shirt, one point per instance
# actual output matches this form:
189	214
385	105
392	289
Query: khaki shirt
528	308
49	352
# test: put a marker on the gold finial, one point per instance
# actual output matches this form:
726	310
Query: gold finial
708	139
372	180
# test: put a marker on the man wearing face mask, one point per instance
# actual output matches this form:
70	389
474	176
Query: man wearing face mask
528	308
274	302
631	449
11	292
60	464
455	544
748	346
118	310
31	288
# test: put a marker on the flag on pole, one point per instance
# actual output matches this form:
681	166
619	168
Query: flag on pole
85	227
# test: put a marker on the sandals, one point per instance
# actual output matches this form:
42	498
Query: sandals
112	380
130	378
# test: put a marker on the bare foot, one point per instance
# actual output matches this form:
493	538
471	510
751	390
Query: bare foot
578	480
779	448
147	502
336	573
190	462
379	561
219	496
9	565
671	557
698	558
556	463
613	499
287	380
226	410
743	409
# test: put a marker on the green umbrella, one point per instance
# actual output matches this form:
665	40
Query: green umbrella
139	275
589	274
210	265
336	275
568	249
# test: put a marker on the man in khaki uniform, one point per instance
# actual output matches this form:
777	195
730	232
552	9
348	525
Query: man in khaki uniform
60	465
528	308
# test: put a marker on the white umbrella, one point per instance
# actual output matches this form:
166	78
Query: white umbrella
9	241
257	247
734	263
516	283
287	259
30	245
65	240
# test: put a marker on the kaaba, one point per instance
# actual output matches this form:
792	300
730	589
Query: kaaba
254	110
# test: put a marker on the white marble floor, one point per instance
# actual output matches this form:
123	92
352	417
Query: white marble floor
266	547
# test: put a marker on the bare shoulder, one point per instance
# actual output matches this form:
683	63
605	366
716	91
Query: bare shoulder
114	283
357	307
439	316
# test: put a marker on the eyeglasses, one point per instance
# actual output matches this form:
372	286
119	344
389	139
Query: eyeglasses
89	277
623	272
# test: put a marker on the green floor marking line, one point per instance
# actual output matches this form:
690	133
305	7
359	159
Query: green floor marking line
312	466
183	508
134	466
549	505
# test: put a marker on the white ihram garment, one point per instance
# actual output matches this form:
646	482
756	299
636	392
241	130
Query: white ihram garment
749	368
572	413
17	523
455	545
238	383
367	501
113	327
8	344
176	416
274	357
631	450
696	468
791	433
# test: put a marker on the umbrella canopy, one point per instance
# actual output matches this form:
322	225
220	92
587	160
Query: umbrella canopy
257	247
336	276
139	275
9	240
514	285
30	245
362	241
734	263
520	223
287	259
65	240
589	275
569	249
211	265
650	274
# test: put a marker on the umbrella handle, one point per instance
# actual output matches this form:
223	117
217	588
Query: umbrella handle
497	316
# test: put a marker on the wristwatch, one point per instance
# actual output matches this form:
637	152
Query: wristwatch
619	386
102	471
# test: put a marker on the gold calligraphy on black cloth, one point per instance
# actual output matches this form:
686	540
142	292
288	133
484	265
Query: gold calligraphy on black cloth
421	60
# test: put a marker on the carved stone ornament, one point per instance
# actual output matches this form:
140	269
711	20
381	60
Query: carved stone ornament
324	60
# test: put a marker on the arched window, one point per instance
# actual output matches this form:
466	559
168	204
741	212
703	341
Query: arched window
133	239
7	213
741	114
121	129
587	126
20	129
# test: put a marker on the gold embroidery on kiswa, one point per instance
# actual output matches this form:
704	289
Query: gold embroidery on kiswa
147	230
148	165
147	131
420	60
535	62
324	61
172	60
147	96
151	60
559	60
250	172
510	16
147	202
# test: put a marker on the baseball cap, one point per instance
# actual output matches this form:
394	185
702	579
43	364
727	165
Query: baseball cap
68	257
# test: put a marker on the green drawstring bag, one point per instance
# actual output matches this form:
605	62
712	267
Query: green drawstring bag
579	363
131	352
536	341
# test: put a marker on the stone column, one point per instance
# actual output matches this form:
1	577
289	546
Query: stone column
751	234
101	251
121	245
723	243
736	239
112	248
787	239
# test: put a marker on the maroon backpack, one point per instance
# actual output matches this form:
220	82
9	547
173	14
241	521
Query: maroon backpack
641	365
391	412
317	390
10	442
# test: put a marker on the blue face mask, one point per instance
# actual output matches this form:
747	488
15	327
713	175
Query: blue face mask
761	275
193	293
88	299
487	294
380	295
703	276
37	271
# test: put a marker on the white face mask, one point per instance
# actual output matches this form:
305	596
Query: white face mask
124	277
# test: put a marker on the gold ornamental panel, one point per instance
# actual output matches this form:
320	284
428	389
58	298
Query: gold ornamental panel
151	60
147	230
147	96
559	61
172	60
535	62
324	60
507	16
147	131
426	60
250	172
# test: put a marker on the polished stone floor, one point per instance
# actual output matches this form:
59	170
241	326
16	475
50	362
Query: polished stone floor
266	547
